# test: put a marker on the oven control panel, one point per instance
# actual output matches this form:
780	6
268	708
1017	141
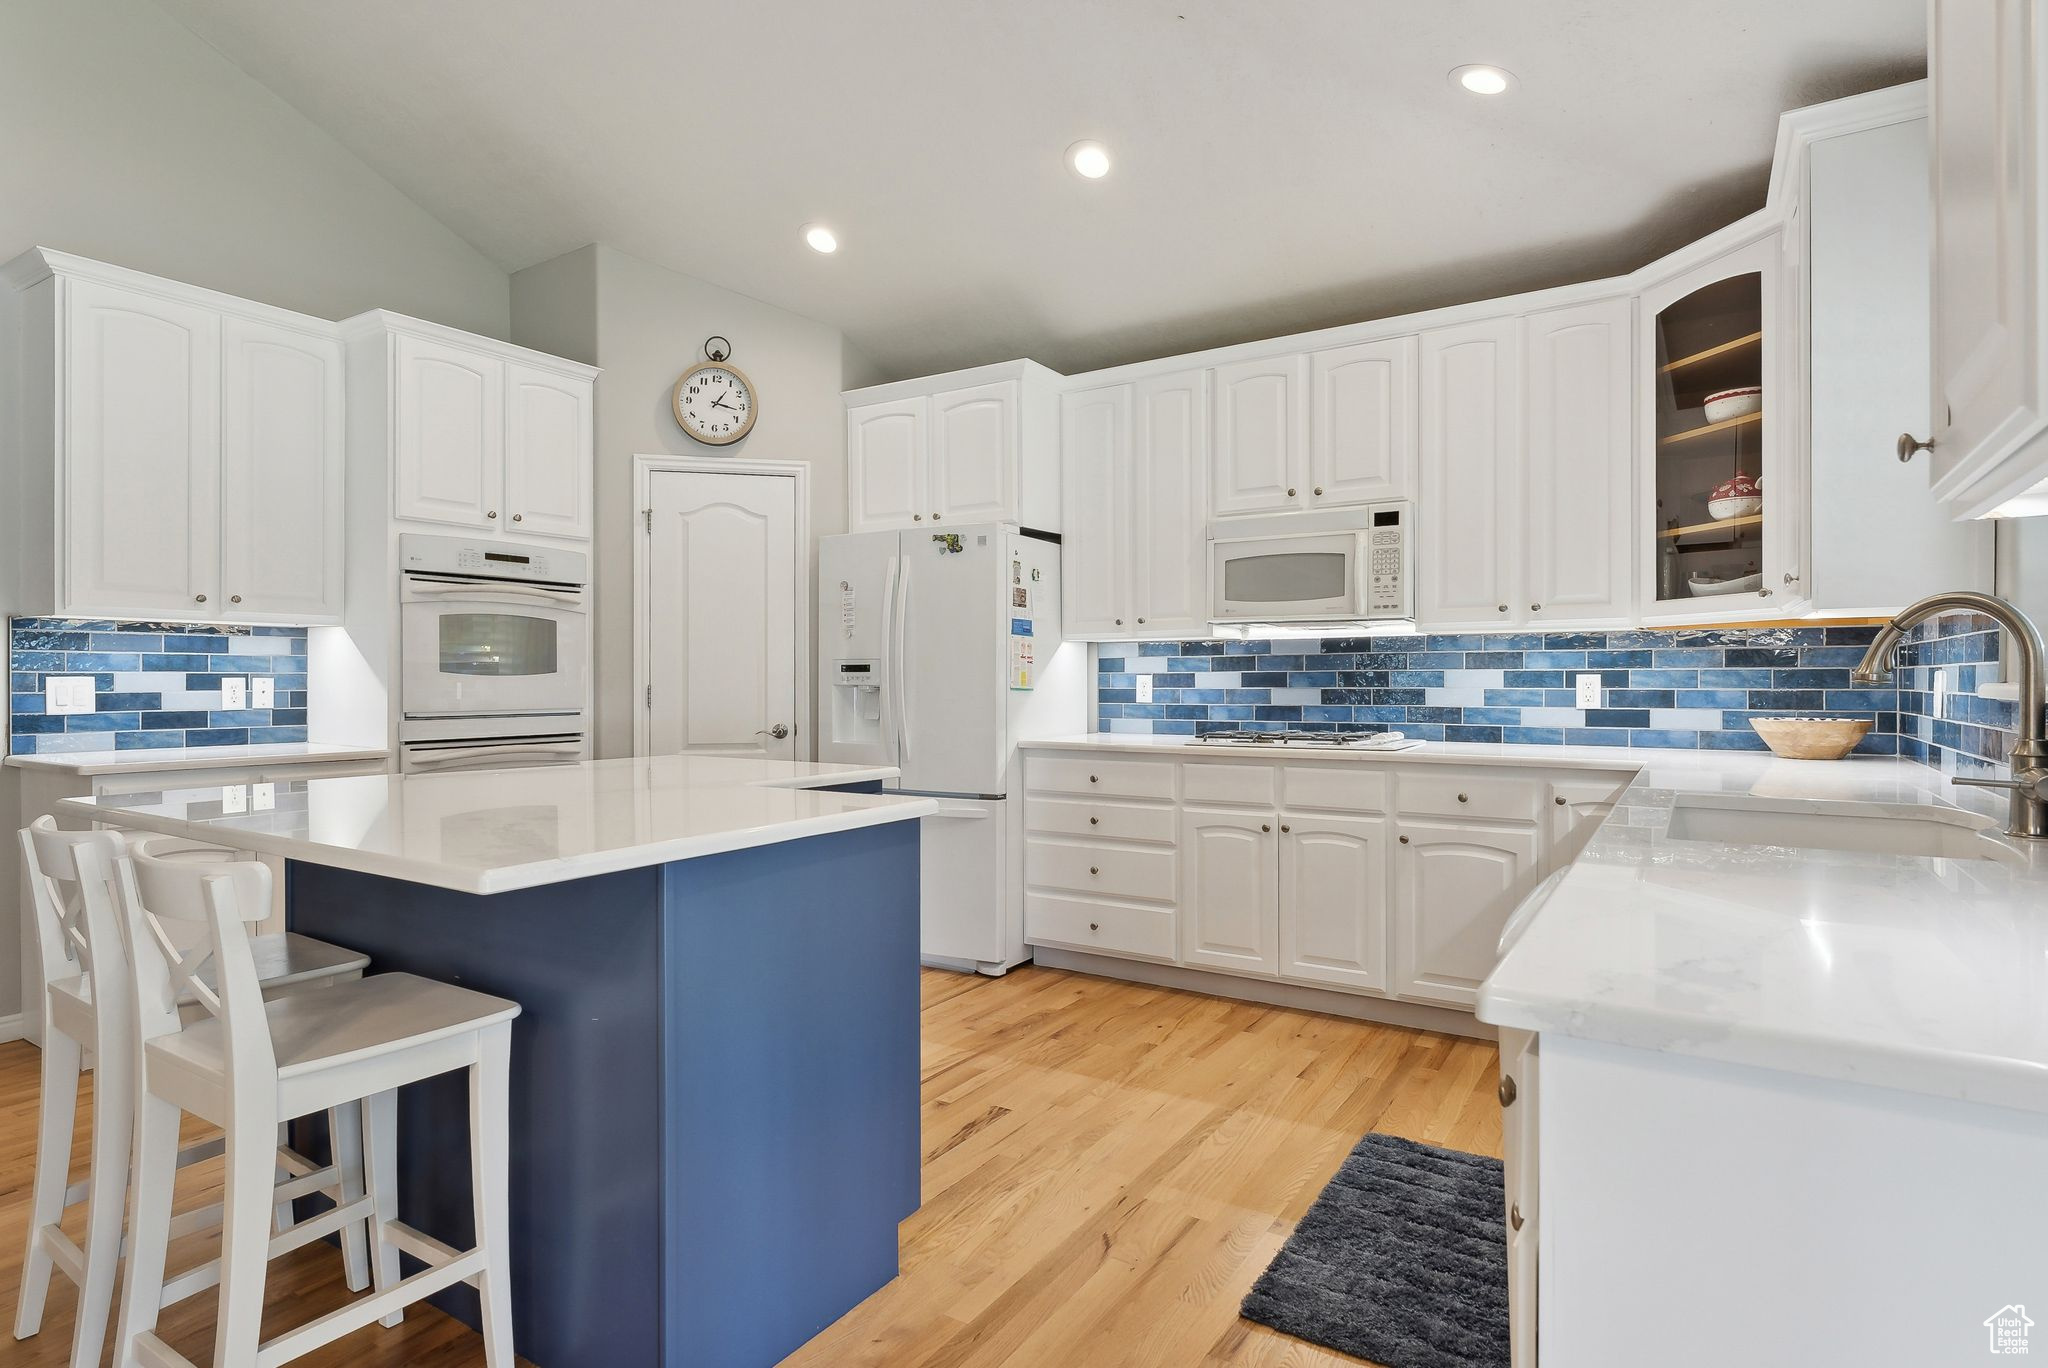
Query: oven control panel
491	559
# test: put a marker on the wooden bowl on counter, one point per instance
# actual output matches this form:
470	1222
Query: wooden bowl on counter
1811	738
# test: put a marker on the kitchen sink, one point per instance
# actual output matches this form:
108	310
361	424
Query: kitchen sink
1899	831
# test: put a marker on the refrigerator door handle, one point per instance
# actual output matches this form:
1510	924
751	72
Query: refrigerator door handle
897	666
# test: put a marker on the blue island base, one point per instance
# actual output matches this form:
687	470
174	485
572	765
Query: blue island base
714	1126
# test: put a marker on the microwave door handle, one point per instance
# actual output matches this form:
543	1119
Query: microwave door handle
477	588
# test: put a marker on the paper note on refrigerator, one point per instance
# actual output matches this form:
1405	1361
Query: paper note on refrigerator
1021	662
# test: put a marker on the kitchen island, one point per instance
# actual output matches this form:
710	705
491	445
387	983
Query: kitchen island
714	1118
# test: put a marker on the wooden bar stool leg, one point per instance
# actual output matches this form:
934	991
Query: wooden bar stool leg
345	1129
490	1092
61	1061
380	1168
155	1173
113	1130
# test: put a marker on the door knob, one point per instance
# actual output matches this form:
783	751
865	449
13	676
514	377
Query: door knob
1290	493
1909	444
1094	821
1284	828
234	598
1559	800
518	517
1503	607
1507	1090
1263	826
1535	607
1319	491
778	731
1094	869
1464	797
1404	840
1141	622
492	514
199	598
1094	926
1515	1216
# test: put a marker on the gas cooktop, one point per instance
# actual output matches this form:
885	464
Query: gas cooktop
1386	741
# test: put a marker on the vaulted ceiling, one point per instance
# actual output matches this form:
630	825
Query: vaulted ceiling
1279	164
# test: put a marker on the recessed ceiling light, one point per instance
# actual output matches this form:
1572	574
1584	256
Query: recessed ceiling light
1483	80
821	238
1090	159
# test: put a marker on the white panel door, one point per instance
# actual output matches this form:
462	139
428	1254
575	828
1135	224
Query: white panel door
1229	912
1984	64
549	434
451	435
1333	900
1167	528
141	473
721	615
1261	444
1576	501
1573	813
1470	425
1453	890
886	482
281	458
974	454
1095	445
1362	424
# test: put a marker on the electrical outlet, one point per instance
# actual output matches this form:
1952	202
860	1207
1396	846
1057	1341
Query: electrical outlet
234	693
1589	690
263	692
70	694
234	799
1144	688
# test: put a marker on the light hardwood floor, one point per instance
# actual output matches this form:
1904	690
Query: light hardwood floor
1107	1167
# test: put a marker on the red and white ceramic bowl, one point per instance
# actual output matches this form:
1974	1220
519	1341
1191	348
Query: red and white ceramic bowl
1733	403
1736	498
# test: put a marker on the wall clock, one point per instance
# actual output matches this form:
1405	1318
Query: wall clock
714	400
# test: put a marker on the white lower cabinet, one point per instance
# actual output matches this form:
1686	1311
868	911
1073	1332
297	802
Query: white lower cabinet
1385	880
1229	907
1333	900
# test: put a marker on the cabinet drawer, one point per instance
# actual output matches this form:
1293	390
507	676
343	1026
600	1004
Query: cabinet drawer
1109	928
1346	787
1240	785
1112	871
1495	795
1099	776
1103	821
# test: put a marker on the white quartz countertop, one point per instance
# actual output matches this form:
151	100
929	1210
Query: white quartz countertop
196	757
492	831
1926	974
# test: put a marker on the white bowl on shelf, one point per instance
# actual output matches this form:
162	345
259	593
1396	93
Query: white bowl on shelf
1733	403
1740	506
1703	587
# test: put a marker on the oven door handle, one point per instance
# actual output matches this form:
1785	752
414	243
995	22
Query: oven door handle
563	750
418	588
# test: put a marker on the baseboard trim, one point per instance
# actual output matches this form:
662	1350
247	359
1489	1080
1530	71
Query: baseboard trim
1416	1016
11	1028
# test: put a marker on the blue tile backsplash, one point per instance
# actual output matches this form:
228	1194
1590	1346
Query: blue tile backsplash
1691	689
158	684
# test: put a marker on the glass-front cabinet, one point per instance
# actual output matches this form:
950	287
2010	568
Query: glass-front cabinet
1719	504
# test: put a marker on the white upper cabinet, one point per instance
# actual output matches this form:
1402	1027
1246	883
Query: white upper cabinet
281	467
1362	424
1575	503
1261	436
1095	556
451	434
1468	560
885	464
141	454
1333	900
550	432
974	453
979	446
1168	578
1987	64
488	437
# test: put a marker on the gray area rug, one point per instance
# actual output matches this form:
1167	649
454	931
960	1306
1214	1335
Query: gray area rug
1402	1260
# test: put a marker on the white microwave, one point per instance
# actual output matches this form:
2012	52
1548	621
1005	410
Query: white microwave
1352	568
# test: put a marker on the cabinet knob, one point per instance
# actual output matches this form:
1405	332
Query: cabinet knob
1097	821
492	514
1503	607
234	598
1763	593
1791	578
1094	926
1507	1090
518	517
917	517
1094	869
1515	1216
1284	828
1092	779
1404	840
1265	826
1141	622
1319	491
1535	607
1464	797
1909	445
199	598
935	517
1119	622
1290	493
1559	800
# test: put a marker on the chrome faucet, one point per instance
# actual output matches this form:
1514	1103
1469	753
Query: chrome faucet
2029	780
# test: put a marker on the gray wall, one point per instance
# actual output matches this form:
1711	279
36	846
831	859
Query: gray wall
650	325
129	140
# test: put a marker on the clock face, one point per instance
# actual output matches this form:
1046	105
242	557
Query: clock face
714	403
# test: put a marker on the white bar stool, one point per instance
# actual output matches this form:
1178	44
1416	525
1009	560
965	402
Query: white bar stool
256	1063
84	970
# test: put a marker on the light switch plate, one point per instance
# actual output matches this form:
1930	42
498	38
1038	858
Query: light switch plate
234	693
1144	688
263	692
263	796
1589	690
69	694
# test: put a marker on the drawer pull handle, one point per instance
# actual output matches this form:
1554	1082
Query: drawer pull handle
1094	869
1094	926
1464	797
1507	1090
1404	840
1097	821
1515	1216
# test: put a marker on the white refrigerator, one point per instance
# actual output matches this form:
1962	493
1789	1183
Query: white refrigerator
938	652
